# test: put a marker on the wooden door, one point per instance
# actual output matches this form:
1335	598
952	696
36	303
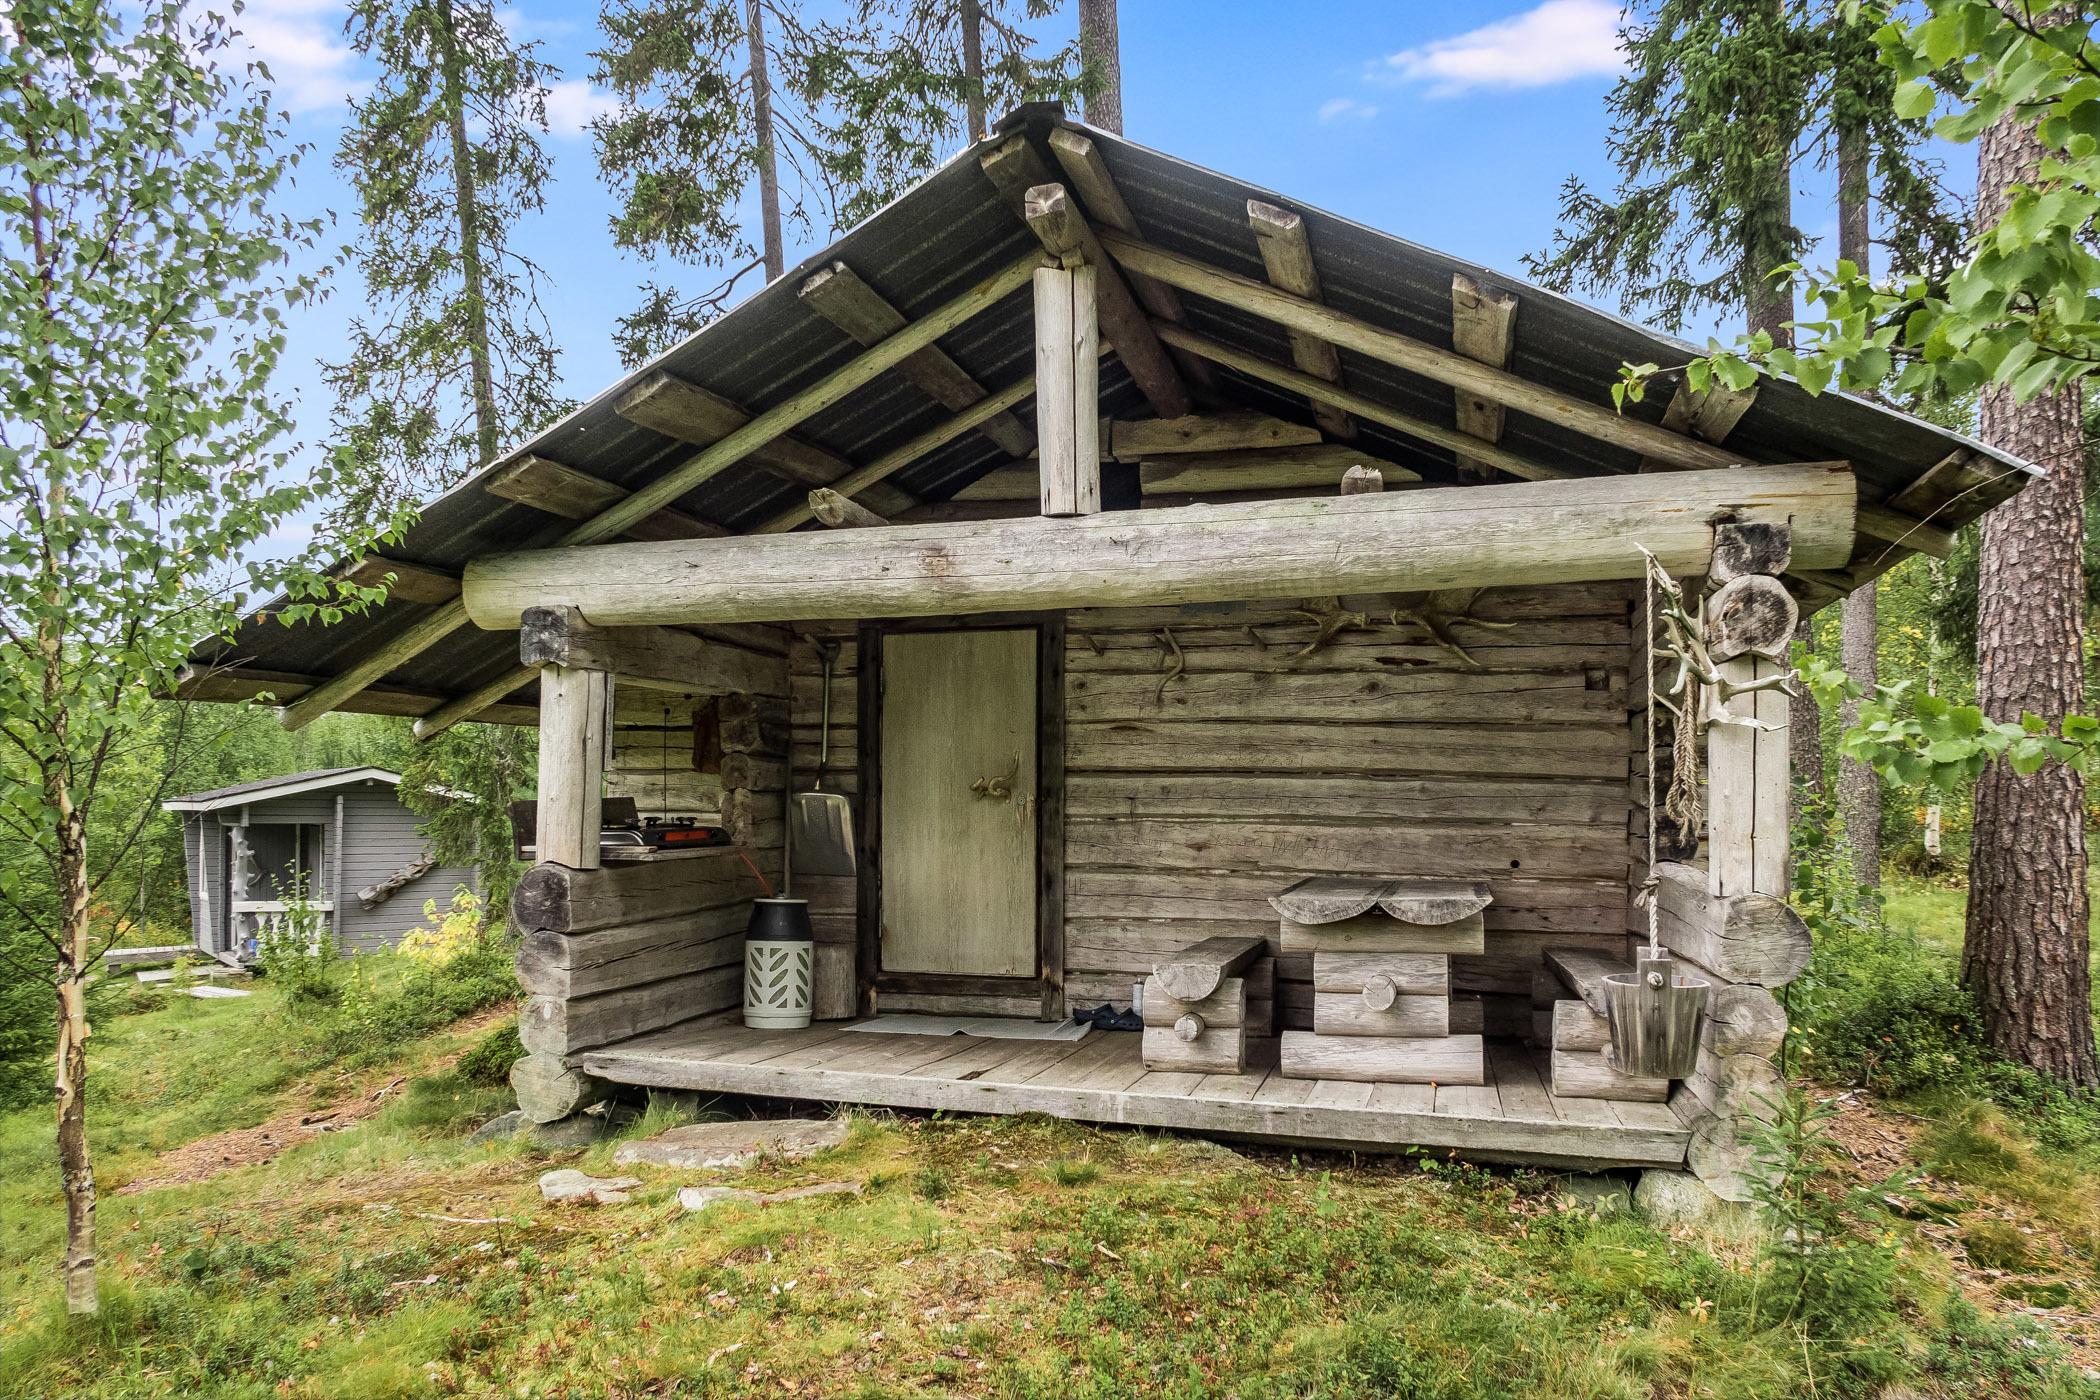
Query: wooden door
958	794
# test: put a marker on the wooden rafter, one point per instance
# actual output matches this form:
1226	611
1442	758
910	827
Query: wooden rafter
1088	177
1597	420
897	459
573	495
1315	468
837	512
1286	251
616	519
1483	328
1710	416
238	683
1015	169
1421	429
680	409
405	582
840	296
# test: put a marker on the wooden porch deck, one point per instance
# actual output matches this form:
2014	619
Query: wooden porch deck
1101	1080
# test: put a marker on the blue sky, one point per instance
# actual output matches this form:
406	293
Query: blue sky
1449	124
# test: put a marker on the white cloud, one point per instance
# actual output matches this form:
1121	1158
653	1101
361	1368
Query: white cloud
1553	42
1346	108
571	105
311	66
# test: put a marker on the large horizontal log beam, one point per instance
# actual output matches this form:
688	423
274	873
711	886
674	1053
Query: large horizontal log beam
1536	532
1490	382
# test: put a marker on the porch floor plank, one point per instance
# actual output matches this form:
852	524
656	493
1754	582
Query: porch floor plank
1102	1079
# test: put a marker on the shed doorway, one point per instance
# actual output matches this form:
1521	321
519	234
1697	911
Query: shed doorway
959	804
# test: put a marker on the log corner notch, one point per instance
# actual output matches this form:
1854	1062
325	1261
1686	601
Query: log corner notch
656	658
1730	922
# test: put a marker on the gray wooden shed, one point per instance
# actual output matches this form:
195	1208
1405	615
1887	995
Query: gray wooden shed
340	834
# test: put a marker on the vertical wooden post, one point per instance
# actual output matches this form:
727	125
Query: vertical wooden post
573	705
1068	390
1748	773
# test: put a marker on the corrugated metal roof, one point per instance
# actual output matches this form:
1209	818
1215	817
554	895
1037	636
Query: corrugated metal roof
953	230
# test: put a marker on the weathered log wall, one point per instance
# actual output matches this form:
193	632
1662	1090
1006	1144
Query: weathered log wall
1198	788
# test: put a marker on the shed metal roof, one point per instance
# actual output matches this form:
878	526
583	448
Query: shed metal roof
290	784
954	229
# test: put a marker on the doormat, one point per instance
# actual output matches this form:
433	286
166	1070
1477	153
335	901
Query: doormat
991	1027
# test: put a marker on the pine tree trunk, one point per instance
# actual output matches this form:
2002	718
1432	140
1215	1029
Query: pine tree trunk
762	125
2025	952
1859	787
973	67
1100	50
1768	307
466	203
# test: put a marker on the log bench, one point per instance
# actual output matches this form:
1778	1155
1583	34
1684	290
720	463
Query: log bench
1580	1035
1203	1004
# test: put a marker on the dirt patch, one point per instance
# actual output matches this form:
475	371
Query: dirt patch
235	1148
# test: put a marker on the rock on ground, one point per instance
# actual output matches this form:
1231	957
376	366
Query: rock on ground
1679	1200
576	1130
701	1197
701	1146
569	1186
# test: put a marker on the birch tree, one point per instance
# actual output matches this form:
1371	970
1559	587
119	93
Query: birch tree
142	285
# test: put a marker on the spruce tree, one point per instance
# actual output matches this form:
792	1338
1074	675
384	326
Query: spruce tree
823	122
1723	100
445	155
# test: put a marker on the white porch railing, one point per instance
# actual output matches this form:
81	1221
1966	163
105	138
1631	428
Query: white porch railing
261	919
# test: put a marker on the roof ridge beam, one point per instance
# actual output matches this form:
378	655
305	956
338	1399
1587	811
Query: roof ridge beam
1286	251
841	296
1402	351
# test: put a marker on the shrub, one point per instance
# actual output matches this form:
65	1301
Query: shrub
377	1019
490	1060
446	934
1885	1012
295	953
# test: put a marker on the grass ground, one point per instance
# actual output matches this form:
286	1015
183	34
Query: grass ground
1012	1258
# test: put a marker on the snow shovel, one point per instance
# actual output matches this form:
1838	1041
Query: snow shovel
820	823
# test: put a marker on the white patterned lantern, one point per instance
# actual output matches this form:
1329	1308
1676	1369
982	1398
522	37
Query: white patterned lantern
778	956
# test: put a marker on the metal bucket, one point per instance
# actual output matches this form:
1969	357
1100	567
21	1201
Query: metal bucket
1655	1019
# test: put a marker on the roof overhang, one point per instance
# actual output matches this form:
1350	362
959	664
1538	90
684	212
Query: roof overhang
1256	302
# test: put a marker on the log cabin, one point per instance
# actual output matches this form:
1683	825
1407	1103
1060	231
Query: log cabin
1191	593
